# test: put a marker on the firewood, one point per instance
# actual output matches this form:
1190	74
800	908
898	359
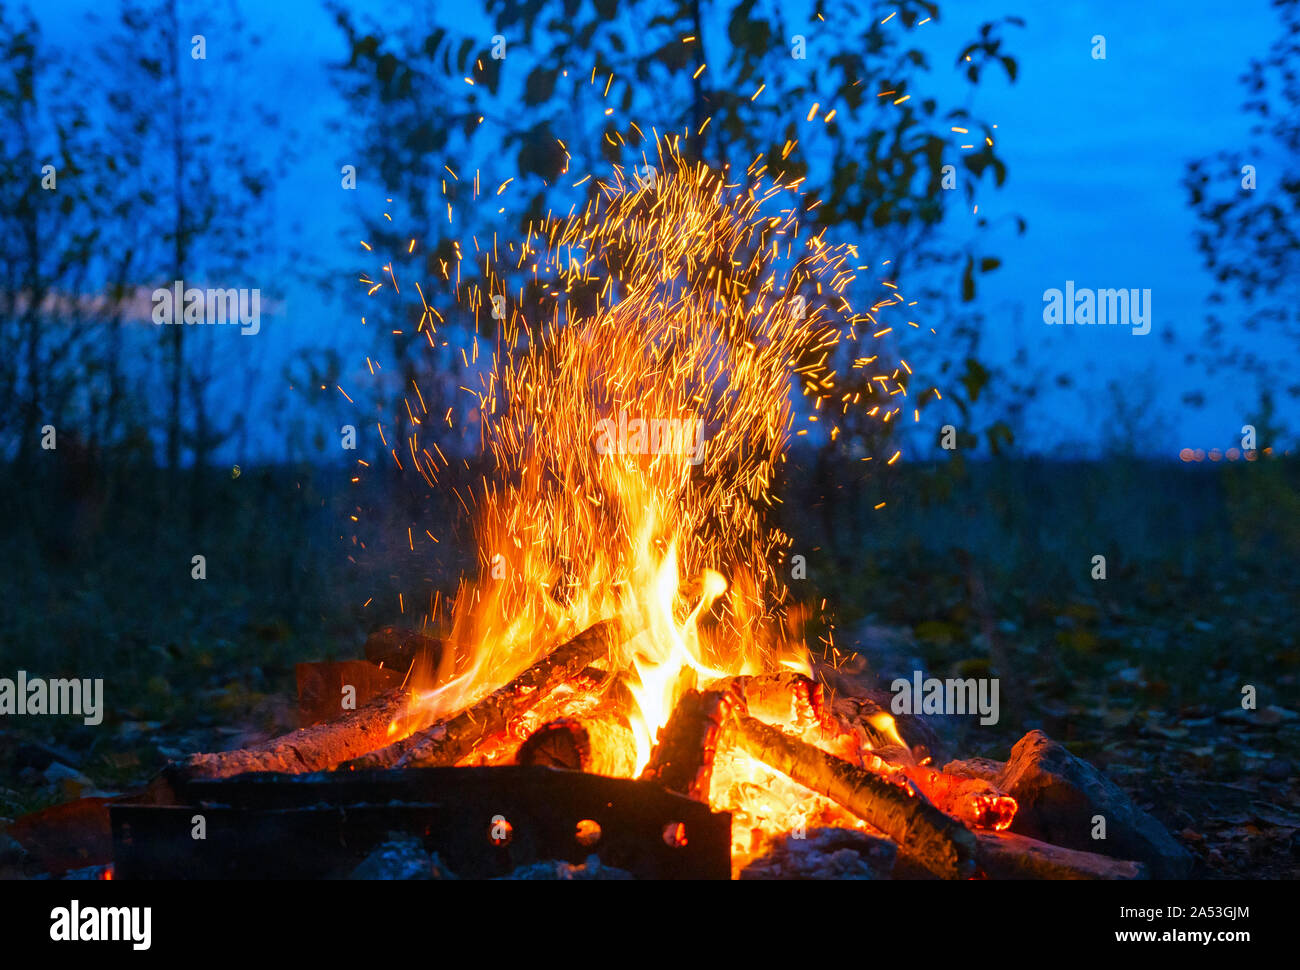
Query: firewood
598	741
1004	855
384	757
925	835
317	748
562	743
576	708
682	759
976	803
448	741
516	698
782	697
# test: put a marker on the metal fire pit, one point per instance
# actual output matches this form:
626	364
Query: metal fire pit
321	826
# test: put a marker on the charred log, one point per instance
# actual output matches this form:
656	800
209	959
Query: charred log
682	759
599	741
562	743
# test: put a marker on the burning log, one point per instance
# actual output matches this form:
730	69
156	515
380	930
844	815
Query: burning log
682	759
975	802
562	743
783	697
448	741
317	748
925	835
599	742
1004	855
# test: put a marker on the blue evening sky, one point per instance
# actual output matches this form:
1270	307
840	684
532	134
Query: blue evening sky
1096	151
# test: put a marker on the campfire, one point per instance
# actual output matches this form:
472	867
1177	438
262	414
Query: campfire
652	357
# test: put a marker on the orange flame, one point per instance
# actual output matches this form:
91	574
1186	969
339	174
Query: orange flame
641	396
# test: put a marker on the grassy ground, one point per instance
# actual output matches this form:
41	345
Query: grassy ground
982	571
989	571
